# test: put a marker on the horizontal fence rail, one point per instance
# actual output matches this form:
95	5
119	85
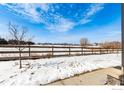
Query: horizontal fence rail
10	52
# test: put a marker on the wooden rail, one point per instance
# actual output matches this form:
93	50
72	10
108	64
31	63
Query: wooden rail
51	51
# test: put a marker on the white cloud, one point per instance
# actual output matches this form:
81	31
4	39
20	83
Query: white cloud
28	11
84	21
91	11
62	26
44	7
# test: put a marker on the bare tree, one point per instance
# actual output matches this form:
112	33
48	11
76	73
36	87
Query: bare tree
112	44
84	41
18	34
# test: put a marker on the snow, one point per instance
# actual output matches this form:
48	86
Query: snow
44	71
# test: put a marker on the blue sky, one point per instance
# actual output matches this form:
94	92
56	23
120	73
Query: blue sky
64	22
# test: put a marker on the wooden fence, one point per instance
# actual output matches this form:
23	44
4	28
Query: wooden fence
10	52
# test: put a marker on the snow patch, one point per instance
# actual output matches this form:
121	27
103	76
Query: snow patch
44	71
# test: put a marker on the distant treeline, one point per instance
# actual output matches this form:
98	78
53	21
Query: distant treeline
12	41
111	44
58	44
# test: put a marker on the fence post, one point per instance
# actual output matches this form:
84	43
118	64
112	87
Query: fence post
100	51
92	50
117	50
69	51
113	50
107	50
82	50
52	51
29	51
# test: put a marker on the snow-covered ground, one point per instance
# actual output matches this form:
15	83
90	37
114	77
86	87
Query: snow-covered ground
44	71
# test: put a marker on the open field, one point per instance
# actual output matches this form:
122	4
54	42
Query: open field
45	71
